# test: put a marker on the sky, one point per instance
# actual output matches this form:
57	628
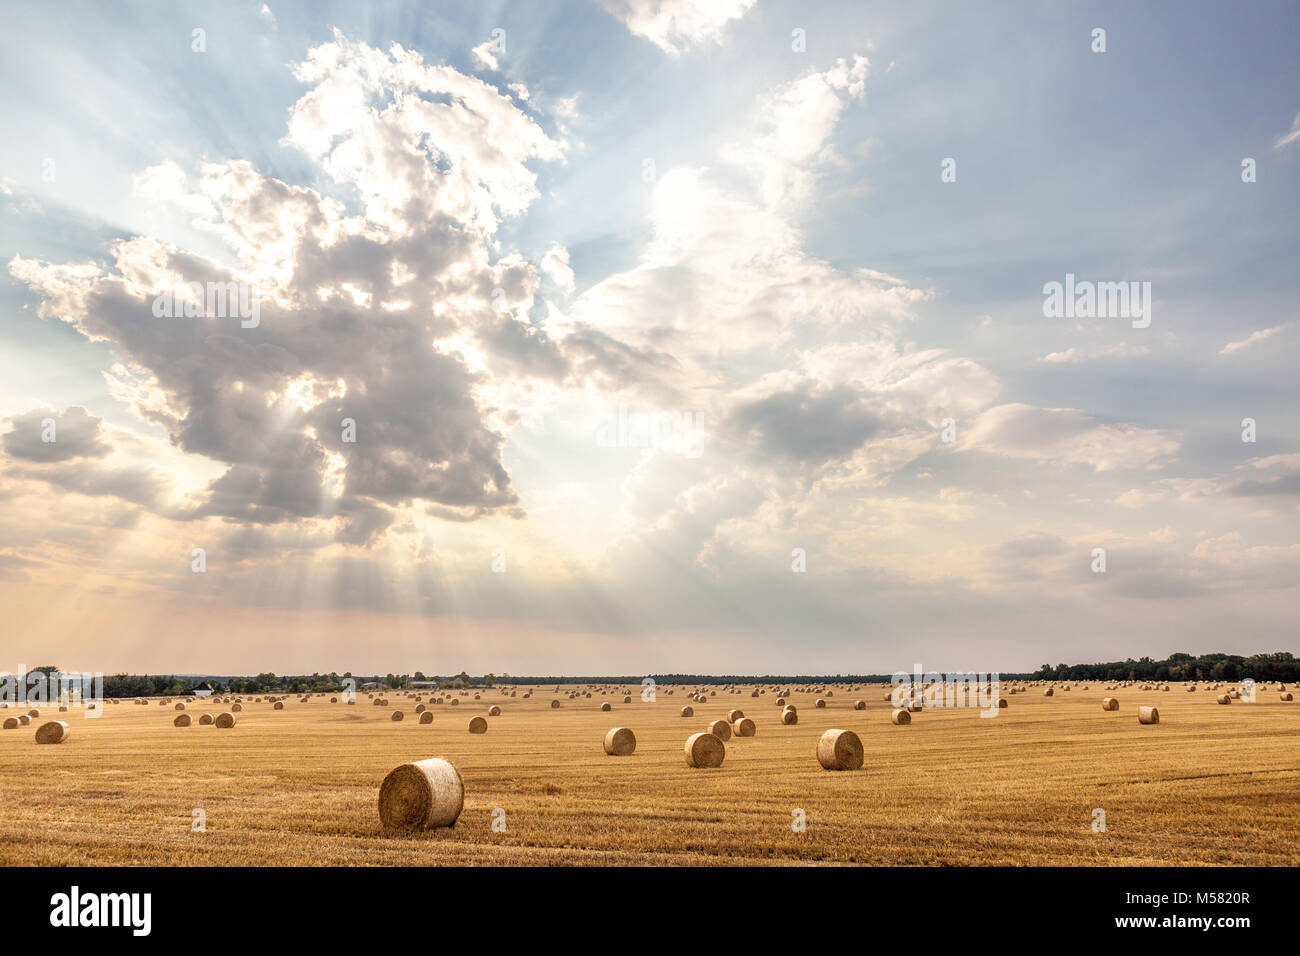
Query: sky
645	336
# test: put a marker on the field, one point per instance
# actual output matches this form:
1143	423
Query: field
1210	784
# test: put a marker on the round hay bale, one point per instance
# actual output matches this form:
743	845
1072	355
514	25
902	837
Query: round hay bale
780	702
1223	699
478	725
494	711
11	723
627	698
34	712
859	705
426	717
735	715
720	729
421	795
64	710
605	708
743	728
227	719
1286	695
53	732
619	742
839	750
1148	715
789	717
821	702
914	705
420	708
24	719
901	717
182	720
555	705
397	715
206	719
180	706
1109	703
704	750
279	705
688	711
1048	692
236	707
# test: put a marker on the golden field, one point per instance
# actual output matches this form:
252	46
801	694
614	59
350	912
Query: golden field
1210	784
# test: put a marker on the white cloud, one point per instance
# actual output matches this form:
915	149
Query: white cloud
1257	336
1290	136
1067	436
678	25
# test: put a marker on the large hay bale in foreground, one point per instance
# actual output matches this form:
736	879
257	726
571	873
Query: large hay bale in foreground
901	717
743	728
839	750
421	795
720	729
227	719
478	725
1148	715
704	750
619	742
53	732
182	720
688	711
206	719
1109	703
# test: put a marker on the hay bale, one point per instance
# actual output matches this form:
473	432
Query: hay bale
236	707
627	698
426	717
720	729
478	725
24	719
53	732
901	717
914	706
206	719
789	717
1048	692
1148	715
1223	699
555	705
605	708
688	711
620	742
180	706
182	720
743	728
421	795
780	702
494	711
397	715
11	723
839	750
279	705
735	715
1109	703
227	719
859	705
704	750
1286	695
34	712
64	710
821	702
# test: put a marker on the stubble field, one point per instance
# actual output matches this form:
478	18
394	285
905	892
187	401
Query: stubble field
1210	784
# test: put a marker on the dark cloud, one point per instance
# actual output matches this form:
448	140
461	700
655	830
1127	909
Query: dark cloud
76	434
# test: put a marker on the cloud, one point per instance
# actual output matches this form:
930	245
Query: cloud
486	59
1290	136
1067	436
1257	336
44	435
1074	356
676	26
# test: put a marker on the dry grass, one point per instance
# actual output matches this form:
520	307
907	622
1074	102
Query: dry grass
1207	785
